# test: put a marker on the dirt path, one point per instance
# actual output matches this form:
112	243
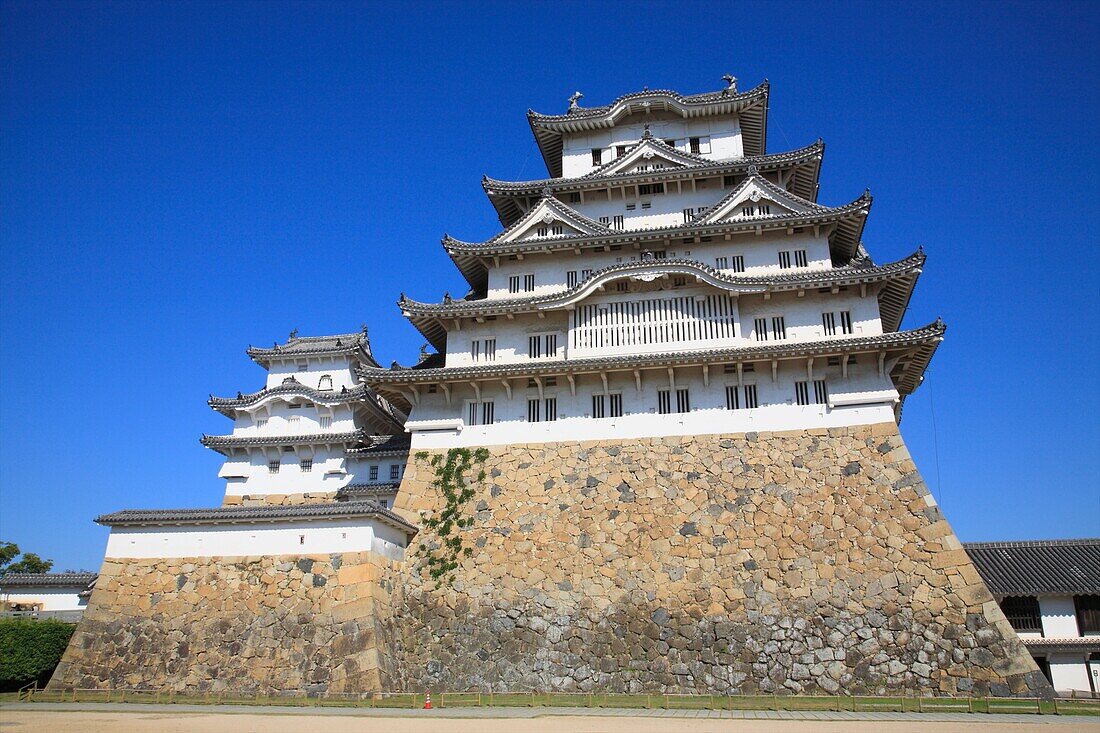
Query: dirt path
20	720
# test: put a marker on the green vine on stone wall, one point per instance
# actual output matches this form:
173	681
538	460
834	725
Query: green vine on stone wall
451	482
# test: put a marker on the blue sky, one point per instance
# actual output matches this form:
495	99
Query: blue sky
178	180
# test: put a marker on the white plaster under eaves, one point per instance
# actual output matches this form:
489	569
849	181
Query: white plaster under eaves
304	537
48	599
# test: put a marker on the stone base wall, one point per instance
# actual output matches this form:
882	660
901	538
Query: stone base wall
266	624
315	497
810	561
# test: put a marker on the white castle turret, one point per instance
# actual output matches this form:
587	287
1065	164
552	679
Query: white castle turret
313	432
671	279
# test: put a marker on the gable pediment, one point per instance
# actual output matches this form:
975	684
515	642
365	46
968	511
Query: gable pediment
756	197
649	154
550	219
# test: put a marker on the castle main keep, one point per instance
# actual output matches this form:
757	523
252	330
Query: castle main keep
654	448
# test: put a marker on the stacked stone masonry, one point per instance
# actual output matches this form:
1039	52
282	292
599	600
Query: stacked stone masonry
271	625
810	561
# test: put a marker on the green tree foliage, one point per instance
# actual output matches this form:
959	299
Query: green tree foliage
29	563
29	650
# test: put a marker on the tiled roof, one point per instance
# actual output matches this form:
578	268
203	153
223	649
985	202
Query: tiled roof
1063	644
254	514
344	343
291	387
751	106
916	346
27	580
893	300
1038	567
806	161
380	445
359	491
844	240
219	442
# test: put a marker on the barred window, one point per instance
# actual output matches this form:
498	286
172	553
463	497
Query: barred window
326	422
585	274
737	263
800	258
694	144
483	350
750	396
543	231
648	189
261	422
571	278
821	392
620	151
325	382
784	259
575	198
683	401
395	471
597	156
779	328
828	322
617	222
513	284
534	410
528	283
733	401
1023	613
550	409
598	406
722	263
306	465
664	403
845	322
1088	614
760	328
487	413
802	392
556	229
604	220
374	473
273	466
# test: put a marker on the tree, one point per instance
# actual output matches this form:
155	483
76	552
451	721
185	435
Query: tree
28	563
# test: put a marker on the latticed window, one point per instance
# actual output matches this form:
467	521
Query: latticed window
1023	613
374	473
306	465
395	472
1088	614
273	466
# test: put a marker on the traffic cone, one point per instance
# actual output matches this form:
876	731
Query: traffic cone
428	700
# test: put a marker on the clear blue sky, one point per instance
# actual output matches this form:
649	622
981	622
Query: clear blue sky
178	180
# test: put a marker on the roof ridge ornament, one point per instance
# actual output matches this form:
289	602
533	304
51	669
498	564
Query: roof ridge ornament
293	334
646	134
731	84
754	170
573	106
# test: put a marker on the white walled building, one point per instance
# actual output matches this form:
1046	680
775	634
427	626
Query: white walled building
670	278
1049	591
313	429
46	595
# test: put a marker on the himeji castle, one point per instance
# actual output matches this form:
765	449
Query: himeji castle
654	448
672	279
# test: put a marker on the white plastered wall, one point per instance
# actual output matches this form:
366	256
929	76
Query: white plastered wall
49	599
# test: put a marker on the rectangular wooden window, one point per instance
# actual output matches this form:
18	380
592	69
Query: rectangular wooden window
760	328
534	347
471	414
733	401
550	345
649	189
395	472
620	151
305	465
534	410
828	322
695	145
490	349
722	263
616	405
750	396
556	229
1023	613
800	258
664	402
605	220
779	328
326	422
737	263
528	283
487	413
683	400
513	284
1088	614
597	156
689	214
784	260
543	231
550	409
373	473
821	392
273	466
617	222
845	322
571	279
598	405
575	197
802	392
